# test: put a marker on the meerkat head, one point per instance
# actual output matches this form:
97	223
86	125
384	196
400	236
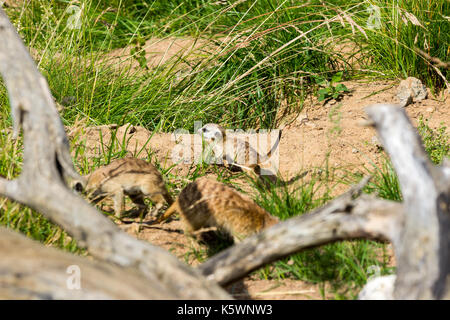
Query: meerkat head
212	132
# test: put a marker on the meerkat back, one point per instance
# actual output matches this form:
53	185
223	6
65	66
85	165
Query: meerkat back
208	203
129	176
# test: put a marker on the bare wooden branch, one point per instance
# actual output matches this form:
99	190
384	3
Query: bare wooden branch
418	228
423	251
30	270
343	218
47	163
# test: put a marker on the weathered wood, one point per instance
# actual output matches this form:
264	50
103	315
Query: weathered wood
29	270
418	228
423	251
47	164
343	218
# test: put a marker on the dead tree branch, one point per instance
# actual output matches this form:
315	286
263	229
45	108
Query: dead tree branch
437	62
343	218
47	163
418	228
423	248
33	271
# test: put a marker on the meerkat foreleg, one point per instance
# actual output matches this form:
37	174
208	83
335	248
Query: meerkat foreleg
119	203
139	201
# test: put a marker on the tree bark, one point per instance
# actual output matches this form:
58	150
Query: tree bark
418	228
423	250
46	165
29	270
343	218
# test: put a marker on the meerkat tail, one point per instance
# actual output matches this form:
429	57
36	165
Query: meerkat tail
170	211
274	147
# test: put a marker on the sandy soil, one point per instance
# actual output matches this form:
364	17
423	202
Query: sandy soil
318	134
160	51
318	131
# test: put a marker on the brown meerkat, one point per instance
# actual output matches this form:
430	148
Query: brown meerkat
243	157
207	203
136	178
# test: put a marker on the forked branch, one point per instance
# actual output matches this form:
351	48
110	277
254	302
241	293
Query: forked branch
343	218
47	163
418	228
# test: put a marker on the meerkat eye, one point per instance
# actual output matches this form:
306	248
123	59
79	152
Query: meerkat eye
204	129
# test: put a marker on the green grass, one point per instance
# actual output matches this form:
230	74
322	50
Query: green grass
384	180
345	265
21	218
275	54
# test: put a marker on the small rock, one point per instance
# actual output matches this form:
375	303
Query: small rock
429	109
411	90
354	150
379	288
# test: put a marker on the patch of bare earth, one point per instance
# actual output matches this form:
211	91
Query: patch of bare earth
319	135
320	132
159	51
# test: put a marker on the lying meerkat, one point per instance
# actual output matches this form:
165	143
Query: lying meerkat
206	203
133	177
243	156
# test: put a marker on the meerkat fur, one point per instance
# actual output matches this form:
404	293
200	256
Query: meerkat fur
130	177
207	203
215	135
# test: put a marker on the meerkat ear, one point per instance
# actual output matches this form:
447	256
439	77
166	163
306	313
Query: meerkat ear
218	135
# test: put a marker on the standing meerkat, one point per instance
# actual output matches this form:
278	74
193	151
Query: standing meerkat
133	177
207	203
241	155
